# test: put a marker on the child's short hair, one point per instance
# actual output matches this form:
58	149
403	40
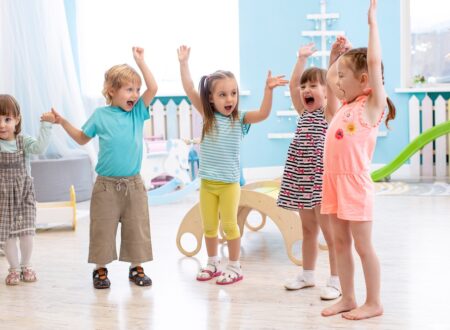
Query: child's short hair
10	107
116	77
314	75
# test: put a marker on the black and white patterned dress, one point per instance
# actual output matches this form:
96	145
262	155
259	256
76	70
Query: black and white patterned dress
301	185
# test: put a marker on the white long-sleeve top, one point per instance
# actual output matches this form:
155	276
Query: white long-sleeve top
32	145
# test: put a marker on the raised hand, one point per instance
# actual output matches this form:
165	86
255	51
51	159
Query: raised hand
341	45
138	53
183	53
372	14
347	46
307	50
275	81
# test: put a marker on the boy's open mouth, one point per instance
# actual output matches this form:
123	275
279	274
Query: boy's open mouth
130	103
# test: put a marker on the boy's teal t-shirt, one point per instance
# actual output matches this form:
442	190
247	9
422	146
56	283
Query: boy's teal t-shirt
120	135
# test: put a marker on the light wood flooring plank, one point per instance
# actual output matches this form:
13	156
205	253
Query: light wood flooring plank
412	237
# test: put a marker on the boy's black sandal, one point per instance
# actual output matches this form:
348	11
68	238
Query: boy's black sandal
100	278
138	276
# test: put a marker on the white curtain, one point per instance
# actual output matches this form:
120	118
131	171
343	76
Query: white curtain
107	30
37	68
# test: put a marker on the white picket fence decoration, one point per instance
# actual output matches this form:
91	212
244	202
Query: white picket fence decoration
173	122
422	116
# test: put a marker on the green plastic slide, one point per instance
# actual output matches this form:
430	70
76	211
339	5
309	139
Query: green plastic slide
417	144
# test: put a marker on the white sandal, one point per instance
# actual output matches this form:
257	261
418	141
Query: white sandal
28	274
13	277
209	272
229	276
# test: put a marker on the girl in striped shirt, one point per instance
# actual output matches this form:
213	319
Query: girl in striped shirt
223	128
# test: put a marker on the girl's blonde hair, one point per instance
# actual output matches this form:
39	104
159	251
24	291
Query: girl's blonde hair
357	60
10	107
205	90
116	77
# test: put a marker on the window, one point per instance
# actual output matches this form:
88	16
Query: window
429	33
107	29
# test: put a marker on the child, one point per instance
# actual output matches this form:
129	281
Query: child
17	202
347	186
301	185
223	128
119	194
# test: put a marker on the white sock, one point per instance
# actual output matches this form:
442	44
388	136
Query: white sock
334	281
214	260
235	264
308	276
12	253
26	248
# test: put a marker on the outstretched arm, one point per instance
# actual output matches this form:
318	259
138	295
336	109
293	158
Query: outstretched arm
252	117
186	79
73	132
294	84
150	82
37	146
377	99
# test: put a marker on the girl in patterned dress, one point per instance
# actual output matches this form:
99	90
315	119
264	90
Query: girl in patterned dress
348	190
301	186
17	202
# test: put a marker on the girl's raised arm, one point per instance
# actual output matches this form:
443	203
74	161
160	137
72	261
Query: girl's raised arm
256	116
294	84
377	100
186	79
339	47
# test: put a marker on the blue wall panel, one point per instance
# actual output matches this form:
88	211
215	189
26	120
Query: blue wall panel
270	35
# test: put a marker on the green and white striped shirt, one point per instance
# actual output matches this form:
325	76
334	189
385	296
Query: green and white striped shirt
220	149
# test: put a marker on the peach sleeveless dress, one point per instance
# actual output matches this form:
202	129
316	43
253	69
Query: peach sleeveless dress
348	189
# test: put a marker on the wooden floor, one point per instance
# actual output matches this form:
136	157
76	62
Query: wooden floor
412	236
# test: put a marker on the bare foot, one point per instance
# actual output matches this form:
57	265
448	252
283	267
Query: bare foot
339	307
364	312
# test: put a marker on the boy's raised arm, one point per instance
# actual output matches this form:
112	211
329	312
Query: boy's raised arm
150	82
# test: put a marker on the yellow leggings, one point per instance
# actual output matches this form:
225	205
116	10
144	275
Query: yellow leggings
220	197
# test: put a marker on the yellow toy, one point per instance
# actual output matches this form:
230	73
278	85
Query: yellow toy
57	212
258	196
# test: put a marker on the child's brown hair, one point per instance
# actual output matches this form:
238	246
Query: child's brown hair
205	89
314	75
357	60
10	107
